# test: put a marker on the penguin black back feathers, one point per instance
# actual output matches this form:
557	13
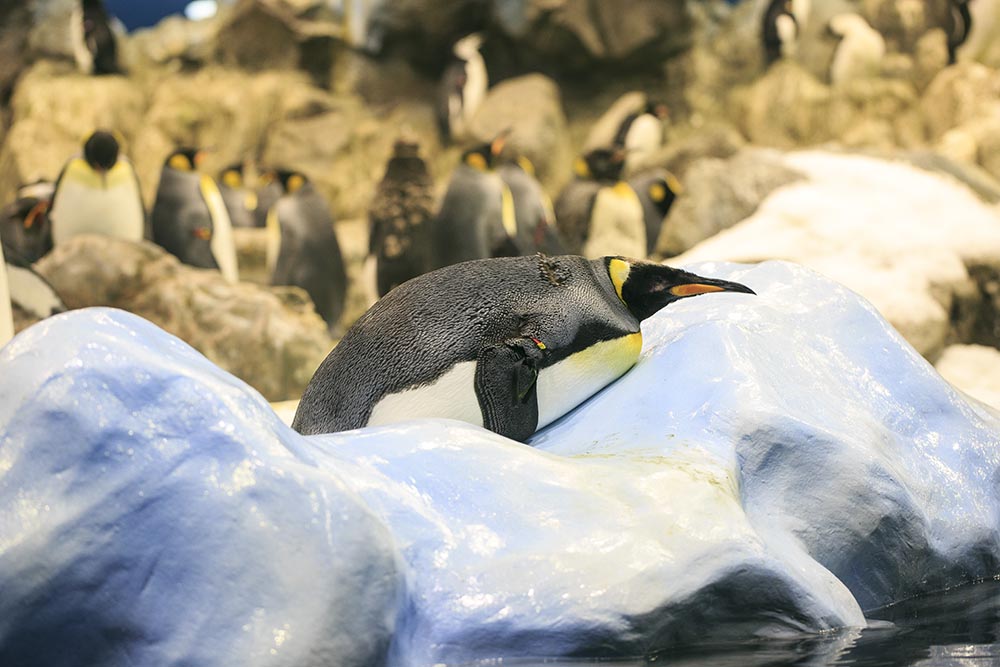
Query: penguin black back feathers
189	217
94	44
302	246
511	344
399	216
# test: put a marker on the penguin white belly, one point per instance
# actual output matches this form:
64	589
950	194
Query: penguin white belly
475	87
451	396
573	380
645	136
6	316
86	204
81	54
223	243
617	226
31	293
787	33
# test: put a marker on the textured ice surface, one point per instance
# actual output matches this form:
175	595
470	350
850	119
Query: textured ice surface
774	464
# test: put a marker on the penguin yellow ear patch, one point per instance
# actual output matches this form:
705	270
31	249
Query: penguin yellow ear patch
231	178
674	185
180	162
618	270
657	192
526	165
295	183
476	160
580	168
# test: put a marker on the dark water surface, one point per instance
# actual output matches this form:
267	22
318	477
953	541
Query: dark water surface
957	628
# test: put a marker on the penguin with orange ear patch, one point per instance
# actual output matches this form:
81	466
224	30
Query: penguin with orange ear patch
189	216
510	344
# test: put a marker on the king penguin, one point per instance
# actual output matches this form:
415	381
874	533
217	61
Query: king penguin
657	189
24	223
302	248
604	219
476	217
98	193
95	47
189	216
640	134
399	215
958	24
533	212
510	344
463	87
241	201
779	30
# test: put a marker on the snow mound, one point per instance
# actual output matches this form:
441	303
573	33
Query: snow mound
773	465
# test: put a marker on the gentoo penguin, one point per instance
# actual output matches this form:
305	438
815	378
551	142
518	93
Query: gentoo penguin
94	44
533	212
29	291
779	30
510	344
958	24
189	216
605	218
656	189
98	193
641	134
476	218
860	51
399	215
241	202
24	223
302	247
463	87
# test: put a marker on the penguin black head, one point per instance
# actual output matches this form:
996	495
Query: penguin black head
663	191
101	151
602	164
646	287
291	181
483	156
185	159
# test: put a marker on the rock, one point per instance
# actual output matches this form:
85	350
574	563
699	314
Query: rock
272	338
15	22
930	57
786	107
251	254
185	497
531	107
53	111
174	42
720	193
688	146
174	492
983	42
906	239
958	95
974	369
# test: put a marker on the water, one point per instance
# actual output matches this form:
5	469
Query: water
957	628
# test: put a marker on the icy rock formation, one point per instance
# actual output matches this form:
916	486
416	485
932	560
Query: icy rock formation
774	464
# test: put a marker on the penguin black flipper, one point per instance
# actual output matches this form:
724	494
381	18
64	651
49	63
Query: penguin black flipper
506	387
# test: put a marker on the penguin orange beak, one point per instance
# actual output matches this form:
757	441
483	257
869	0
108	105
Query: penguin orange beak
36	212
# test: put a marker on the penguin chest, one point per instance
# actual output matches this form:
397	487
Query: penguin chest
568	383
617	224
87	204
451	396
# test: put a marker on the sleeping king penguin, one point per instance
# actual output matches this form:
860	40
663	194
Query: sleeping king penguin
98	193
189	216
508	343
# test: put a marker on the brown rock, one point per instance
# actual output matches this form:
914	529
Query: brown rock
271	338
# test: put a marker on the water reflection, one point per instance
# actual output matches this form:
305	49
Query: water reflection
958	628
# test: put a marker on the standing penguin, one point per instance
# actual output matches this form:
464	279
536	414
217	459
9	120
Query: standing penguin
657	189
241	201
189	216
476	218
606	218
24	223
302	247
98	193
399	217
533	212
779	30
463	87
29	291
958	24
268	192
95	47
510	344
640	134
